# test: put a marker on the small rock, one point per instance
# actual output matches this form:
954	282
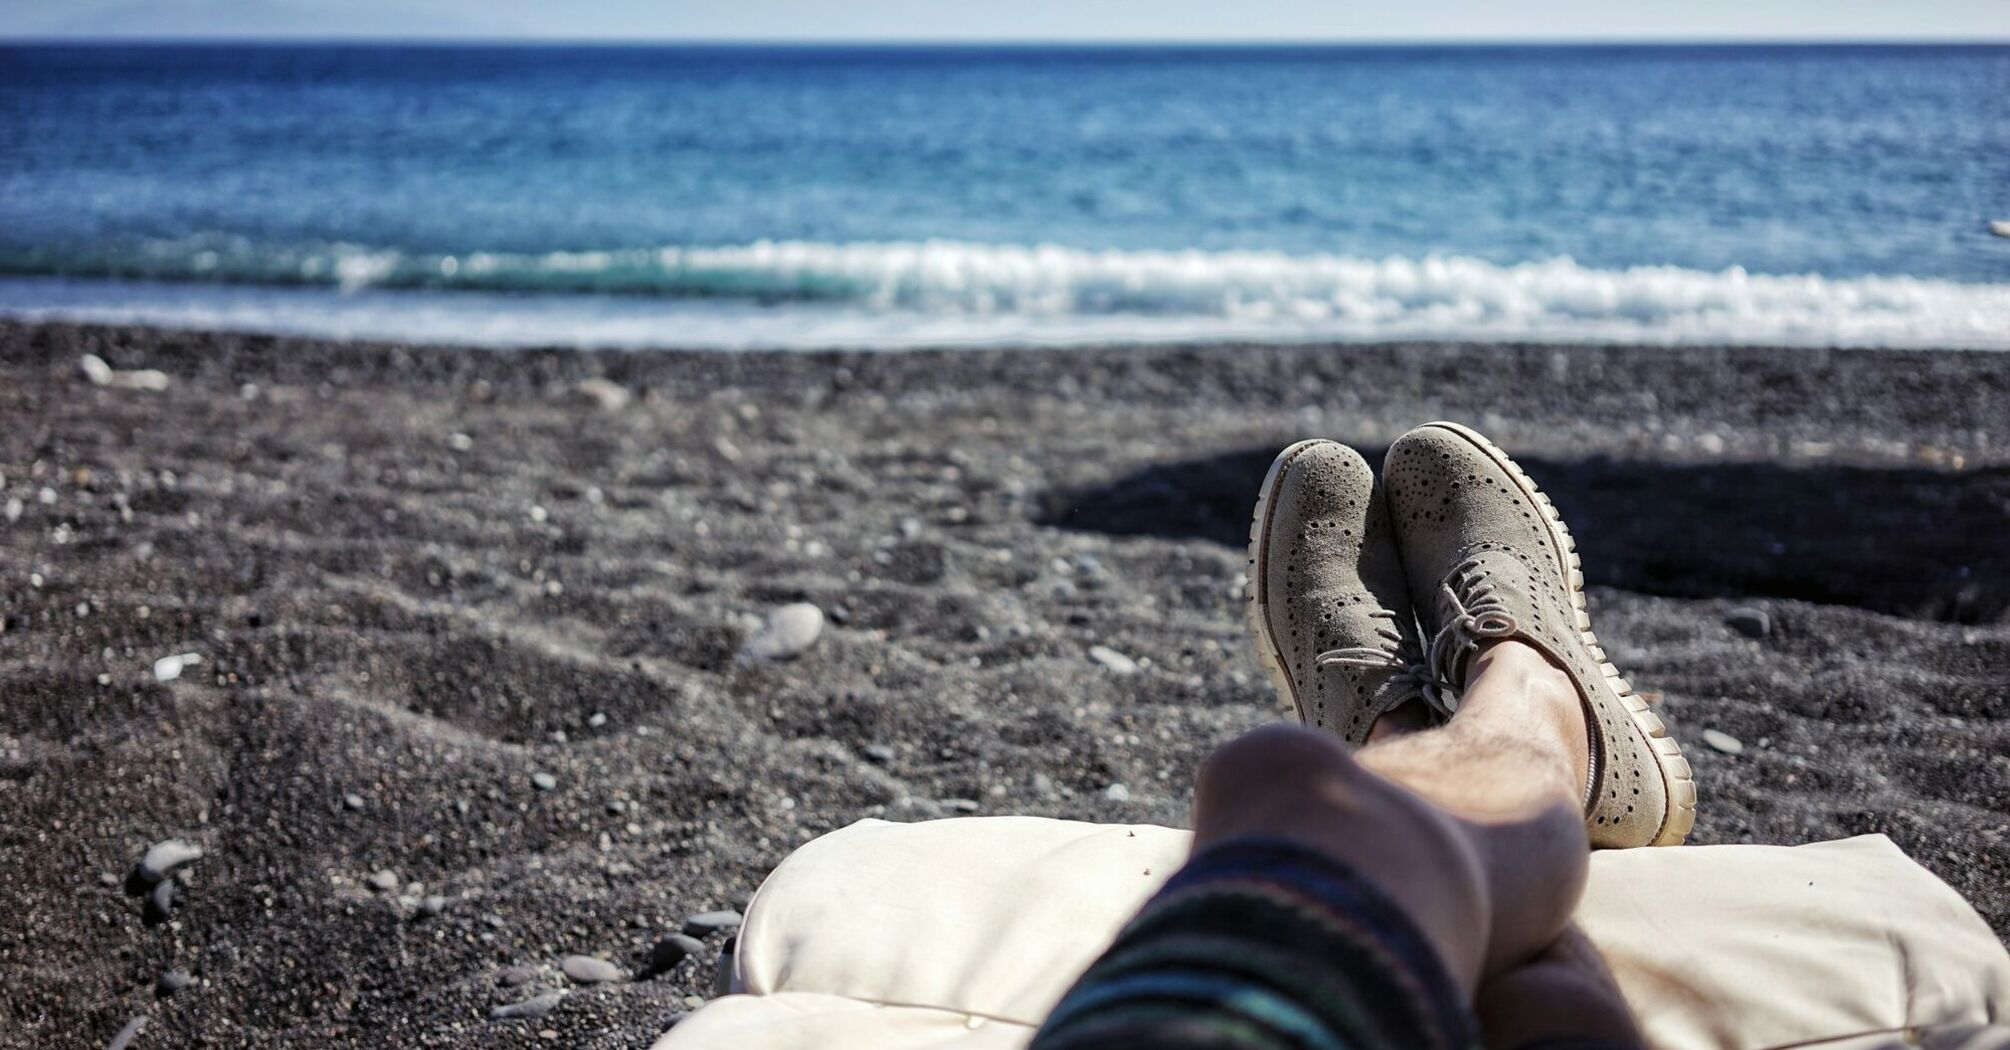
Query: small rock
383	880
1750	622
171	982
1043	785
543	781
585	969
668	952
169	668
529	1009
166	857
1117	793
1116	662
606	394
694	1001
108	879
95	370
788	633
432	906
159	905
961	805
706	923
127	1034
512	976
596	720
879	754
141	379
1724	742
352	801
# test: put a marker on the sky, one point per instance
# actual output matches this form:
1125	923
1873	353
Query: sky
1017	20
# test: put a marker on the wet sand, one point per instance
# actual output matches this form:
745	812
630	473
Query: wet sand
420	578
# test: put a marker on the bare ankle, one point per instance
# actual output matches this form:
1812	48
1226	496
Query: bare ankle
1509	681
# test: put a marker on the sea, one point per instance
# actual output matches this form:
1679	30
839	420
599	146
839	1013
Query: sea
731	197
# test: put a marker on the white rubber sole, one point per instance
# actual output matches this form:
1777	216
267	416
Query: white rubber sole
1676	776
1255	605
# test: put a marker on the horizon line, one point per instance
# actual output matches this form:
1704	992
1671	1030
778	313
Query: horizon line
1058	42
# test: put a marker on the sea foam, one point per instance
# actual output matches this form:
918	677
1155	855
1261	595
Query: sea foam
803	294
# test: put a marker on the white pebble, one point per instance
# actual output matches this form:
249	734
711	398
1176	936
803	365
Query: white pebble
1116	662
1724	742
788	633
165	858
169	668
610	396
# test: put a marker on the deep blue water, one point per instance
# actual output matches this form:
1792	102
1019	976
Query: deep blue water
736	196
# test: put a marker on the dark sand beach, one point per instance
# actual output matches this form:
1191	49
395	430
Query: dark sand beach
467	620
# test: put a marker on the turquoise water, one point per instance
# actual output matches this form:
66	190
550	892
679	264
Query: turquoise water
893	197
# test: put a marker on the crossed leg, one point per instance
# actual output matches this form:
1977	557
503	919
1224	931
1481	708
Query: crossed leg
1473	832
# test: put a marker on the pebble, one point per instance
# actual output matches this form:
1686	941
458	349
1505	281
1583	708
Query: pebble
879	754
159	906
694	1001
1043	785
383	880
706	923
787	634
127	1034
511	976
95	370
171	982
432	906
585	969
352	801
166	857
1117	793
1724	742
141	379
99	373
1116	662
529	1009
543	781
609	395
1750	622
668	952
961	805
169	668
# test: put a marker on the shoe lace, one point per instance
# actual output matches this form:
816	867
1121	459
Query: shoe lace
1472	611
1389	654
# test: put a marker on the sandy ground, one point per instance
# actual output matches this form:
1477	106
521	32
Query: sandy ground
418	579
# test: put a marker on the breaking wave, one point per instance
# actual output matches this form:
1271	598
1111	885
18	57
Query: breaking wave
809	293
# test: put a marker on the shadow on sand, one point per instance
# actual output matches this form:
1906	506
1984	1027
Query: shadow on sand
1920	543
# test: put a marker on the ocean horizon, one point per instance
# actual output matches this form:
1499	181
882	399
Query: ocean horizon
890	196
